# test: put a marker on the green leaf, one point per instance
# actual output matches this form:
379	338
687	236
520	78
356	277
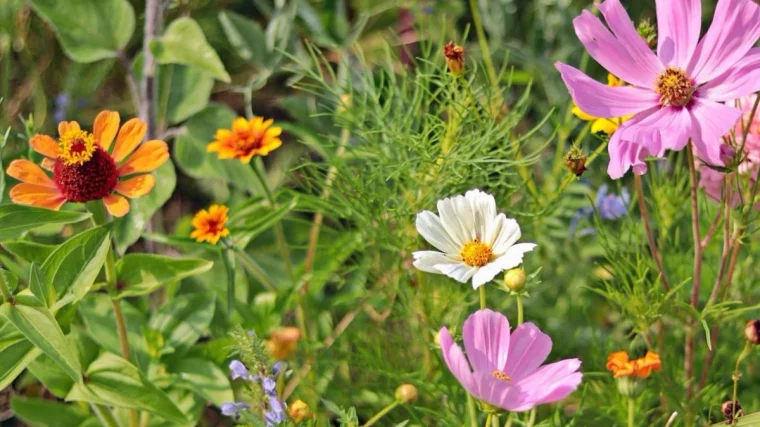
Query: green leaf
10	279
140	274
114	381
40	286
39	326
48	413
183	319
190	150
248	39
184	242
184	43
73	267
89	30
255	225
203	377
15	220
2	169
29	251
182	92
129	229
16	352
751	420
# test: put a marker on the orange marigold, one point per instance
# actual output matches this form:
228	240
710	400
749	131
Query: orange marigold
246	139
619	364
85	168
210	225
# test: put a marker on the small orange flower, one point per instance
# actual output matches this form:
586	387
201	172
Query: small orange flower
619	364
283	342
85	168
246	139
211	225
454	58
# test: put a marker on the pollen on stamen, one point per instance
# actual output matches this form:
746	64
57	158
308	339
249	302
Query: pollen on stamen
476	253
76	147
501	376
675	87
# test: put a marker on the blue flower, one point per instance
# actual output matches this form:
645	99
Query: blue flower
276	413
269	385
232	409
611	206
238	370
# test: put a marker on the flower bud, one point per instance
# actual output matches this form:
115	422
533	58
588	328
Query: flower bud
299	411
752	331
630	386
727	154
730	410
576	161
283	342
454	58
514	279
406	393
648	32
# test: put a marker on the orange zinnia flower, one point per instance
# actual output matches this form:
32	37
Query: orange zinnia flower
246	139
210	225
620	366
84	168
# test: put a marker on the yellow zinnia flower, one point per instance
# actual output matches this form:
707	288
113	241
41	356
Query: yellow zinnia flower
246	139
84	167
210	225
606	125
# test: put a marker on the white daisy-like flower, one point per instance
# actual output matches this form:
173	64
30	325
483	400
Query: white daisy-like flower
474	242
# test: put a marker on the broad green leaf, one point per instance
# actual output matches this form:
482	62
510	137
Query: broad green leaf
183	43
182	92
15	220
248	39
184	319
29	251
129	229
73	267
16	352
53	377
40	286
190	150
140	274
751	420
10	280
89	30
48	413
39	326
185	242
114	381
188	402
202	377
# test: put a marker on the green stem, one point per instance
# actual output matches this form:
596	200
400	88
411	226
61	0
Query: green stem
471	410
489	418
382	413
484	45
104	415
631	411
519	309
255	269
532	418
483	297
495	421
735	377
5	290
278	231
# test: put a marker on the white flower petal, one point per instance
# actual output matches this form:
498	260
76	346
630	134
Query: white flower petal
485	274
454	217
427	260
504	232
514	256
458	271
484	209
431	228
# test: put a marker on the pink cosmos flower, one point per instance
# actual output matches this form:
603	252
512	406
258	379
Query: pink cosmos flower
507	367
676	94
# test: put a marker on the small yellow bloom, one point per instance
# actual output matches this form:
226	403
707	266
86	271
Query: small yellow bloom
619	364
283	342
246	139
299	411
210	225
605	125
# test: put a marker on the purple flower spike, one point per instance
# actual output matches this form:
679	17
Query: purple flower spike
238	370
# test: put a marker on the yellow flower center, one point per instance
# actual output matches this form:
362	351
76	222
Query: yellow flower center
674	87
476	253
76	147
501	376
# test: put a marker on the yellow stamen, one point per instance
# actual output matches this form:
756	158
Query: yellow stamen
674	87
476	253
501	376
76	147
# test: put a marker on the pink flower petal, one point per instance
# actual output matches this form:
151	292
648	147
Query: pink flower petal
738	81
734	30
669	128
528	349
622	26
486	339
550	383
627	153
500	393
600	100
455	359
711	121
607	50
678	26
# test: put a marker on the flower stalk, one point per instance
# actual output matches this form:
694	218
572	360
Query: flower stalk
382	413
697	276
650	236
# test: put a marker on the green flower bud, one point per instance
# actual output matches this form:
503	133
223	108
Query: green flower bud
406	393
514	279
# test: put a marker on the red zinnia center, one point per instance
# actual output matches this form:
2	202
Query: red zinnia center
78	147
92	180
246	142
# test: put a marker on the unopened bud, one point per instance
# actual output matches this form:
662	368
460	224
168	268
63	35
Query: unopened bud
648	32
727	154
514	279
630	386
752	331
406	393
283	342
731	409
299	411
576	161
454	58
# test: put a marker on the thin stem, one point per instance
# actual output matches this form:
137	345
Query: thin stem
148	87
104	415
531	418
519	310
278	231
382	413
631	411
121	328
483	297
735	377
255	269
697	276
728	197
485	50
489	419
472	411
650	236
495	421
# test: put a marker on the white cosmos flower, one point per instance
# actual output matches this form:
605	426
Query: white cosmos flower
474	242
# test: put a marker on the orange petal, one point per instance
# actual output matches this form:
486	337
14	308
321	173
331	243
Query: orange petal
105	128
117	205
64	127
44	145
137	186
26	171
272	132
147	158
241	125
130	136
37	195
48	164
